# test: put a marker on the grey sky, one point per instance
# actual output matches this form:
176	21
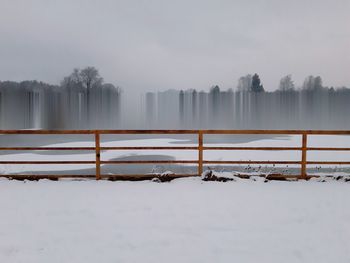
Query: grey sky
153	45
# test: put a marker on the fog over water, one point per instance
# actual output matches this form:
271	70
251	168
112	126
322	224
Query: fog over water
323	109
85	101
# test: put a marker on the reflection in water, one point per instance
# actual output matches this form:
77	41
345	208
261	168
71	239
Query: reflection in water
37	105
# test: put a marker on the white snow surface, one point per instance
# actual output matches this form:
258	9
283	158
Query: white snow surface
186	220
285	141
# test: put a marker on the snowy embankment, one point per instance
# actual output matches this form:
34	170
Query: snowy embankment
186	220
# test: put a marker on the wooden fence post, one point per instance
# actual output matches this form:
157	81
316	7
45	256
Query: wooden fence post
200	153
303	156
98	155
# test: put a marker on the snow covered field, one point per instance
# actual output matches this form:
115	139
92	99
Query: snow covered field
186	220
278	141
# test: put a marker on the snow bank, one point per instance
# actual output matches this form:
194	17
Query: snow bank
186	220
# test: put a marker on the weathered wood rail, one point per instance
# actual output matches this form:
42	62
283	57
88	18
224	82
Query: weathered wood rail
200	148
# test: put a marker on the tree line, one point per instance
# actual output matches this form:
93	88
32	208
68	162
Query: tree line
82	100
250	106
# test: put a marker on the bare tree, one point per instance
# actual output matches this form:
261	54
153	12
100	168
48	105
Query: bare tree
286	84
244	83
312	83
90	77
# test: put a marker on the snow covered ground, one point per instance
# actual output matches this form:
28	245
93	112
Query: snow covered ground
286	141
186	220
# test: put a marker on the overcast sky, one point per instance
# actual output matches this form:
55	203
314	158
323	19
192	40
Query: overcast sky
157	45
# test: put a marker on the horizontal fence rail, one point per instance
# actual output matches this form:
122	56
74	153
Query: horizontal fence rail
200	148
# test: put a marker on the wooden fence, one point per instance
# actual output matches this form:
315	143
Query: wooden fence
200	148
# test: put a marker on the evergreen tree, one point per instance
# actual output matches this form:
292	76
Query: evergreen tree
256	84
